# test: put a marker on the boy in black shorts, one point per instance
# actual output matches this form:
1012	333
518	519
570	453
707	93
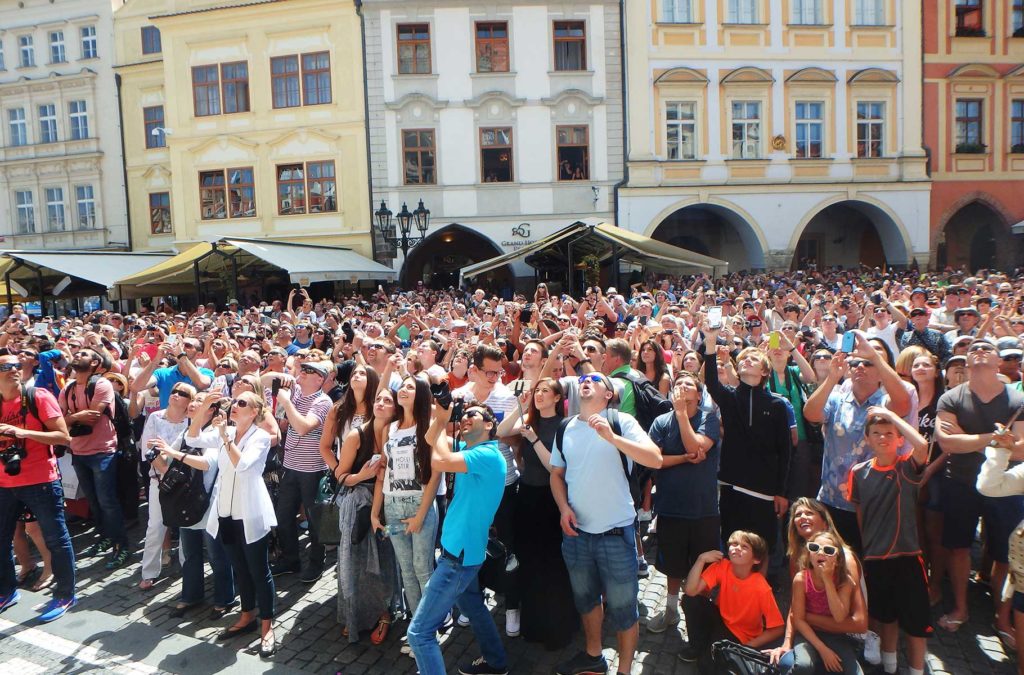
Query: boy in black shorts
884	490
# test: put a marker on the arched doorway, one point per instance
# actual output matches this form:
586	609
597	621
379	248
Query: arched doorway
715	231
850	234
976	237
436	261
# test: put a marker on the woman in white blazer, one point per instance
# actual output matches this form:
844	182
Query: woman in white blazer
241	512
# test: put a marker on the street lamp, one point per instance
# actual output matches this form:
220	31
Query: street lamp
405	240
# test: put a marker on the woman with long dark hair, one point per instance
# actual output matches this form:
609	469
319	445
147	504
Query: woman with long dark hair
323	339
407	487
651	362
354	408
365	566
548	614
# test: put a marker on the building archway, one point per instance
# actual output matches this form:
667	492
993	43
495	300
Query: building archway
713	230
436	260
848	234
976	237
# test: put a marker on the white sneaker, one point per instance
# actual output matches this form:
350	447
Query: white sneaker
463	620
872	648
660	622
512	622
644	516
406	649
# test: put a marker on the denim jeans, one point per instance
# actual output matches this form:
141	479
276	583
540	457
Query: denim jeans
414	552
298	487
804	658
452	583
46	501
604	566
97	475
251	565
193	584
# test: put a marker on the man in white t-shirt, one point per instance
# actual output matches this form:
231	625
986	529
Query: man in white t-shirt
889	321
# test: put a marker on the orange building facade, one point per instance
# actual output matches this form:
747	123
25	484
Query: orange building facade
973	100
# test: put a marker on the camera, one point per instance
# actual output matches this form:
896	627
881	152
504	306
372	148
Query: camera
79	429
458	408
876	298
11	458
151	454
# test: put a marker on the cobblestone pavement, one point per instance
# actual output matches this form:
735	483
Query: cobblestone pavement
118	628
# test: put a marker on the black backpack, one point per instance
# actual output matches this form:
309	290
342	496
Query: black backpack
635	478
650	404
183	495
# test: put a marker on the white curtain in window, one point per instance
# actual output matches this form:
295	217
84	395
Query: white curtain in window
677	11
869	13
742	11
807	12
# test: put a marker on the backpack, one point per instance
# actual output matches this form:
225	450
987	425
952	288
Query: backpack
649	401
182	493
635	478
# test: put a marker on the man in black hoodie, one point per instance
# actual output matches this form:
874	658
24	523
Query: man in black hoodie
756	443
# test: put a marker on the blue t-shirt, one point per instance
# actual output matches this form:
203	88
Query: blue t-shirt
477	495
687	490
166	378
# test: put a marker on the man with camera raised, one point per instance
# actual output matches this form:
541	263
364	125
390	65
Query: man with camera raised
30	425
87	402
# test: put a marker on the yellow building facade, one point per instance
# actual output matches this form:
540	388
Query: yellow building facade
777	133
244	120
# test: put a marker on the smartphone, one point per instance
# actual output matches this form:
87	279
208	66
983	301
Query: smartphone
172	339
774	341
849	342
715	318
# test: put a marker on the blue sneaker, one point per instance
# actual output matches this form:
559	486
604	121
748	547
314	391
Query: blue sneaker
10	599
55	609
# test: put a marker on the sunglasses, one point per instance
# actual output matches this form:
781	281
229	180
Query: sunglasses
240	403
593	349
593	377
857	363
8	367
822	357
980	348
815	547
474	413
223	365
182	394
311	371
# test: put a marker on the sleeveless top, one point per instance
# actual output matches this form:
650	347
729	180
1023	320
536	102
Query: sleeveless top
816	601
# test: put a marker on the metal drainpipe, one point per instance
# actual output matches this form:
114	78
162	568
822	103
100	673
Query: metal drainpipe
366	128
625	114
124	162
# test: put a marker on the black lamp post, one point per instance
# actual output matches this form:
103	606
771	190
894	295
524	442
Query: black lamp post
405	218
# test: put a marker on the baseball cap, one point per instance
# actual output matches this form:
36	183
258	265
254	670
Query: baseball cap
918	311
323	368
1009	346
965	310
918	290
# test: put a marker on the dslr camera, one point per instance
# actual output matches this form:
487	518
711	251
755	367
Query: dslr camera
79	429
11	458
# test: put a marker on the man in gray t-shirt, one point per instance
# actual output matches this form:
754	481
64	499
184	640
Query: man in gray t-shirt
968	416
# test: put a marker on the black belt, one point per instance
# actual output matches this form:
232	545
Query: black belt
459	558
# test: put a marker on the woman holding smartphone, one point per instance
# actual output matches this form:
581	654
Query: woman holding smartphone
365	567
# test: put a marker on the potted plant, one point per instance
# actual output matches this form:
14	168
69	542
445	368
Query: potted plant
591	269
970	148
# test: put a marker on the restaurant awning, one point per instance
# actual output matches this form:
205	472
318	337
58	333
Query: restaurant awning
1017	228
579	239
102	268
231	256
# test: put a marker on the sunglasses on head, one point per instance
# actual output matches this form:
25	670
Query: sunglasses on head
815	547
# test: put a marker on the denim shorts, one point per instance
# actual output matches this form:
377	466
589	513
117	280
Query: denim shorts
604	566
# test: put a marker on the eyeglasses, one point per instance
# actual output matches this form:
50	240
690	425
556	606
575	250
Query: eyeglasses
369	347
240	403
857	363
182	393
828	550
8	367
593	377
492	374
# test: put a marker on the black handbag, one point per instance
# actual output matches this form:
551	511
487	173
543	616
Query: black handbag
731	658
326	515
499	567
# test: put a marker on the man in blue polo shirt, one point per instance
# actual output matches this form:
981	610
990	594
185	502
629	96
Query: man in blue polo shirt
184	370
479	470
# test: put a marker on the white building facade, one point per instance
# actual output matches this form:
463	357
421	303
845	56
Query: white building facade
506	119
777	133
61	170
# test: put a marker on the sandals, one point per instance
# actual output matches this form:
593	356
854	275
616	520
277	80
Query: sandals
268	645
950	625
233	631
380	632
29	578
43	583
146	584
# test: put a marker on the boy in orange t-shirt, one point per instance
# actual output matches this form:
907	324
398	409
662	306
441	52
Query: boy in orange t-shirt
745	611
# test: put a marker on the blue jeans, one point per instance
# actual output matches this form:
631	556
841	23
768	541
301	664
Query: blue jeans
604	566
192	576
97	474
414	552
452	583
804	659
46	501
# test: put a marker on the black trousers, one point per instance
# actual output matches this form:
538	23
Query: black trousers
298	487
741	511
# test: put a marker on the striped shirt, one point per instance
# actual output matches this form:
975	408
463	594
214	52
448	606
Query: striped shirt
302	453
502	401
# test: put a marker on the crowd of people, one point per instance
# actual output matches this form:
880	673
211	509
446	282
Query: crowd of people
837	432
